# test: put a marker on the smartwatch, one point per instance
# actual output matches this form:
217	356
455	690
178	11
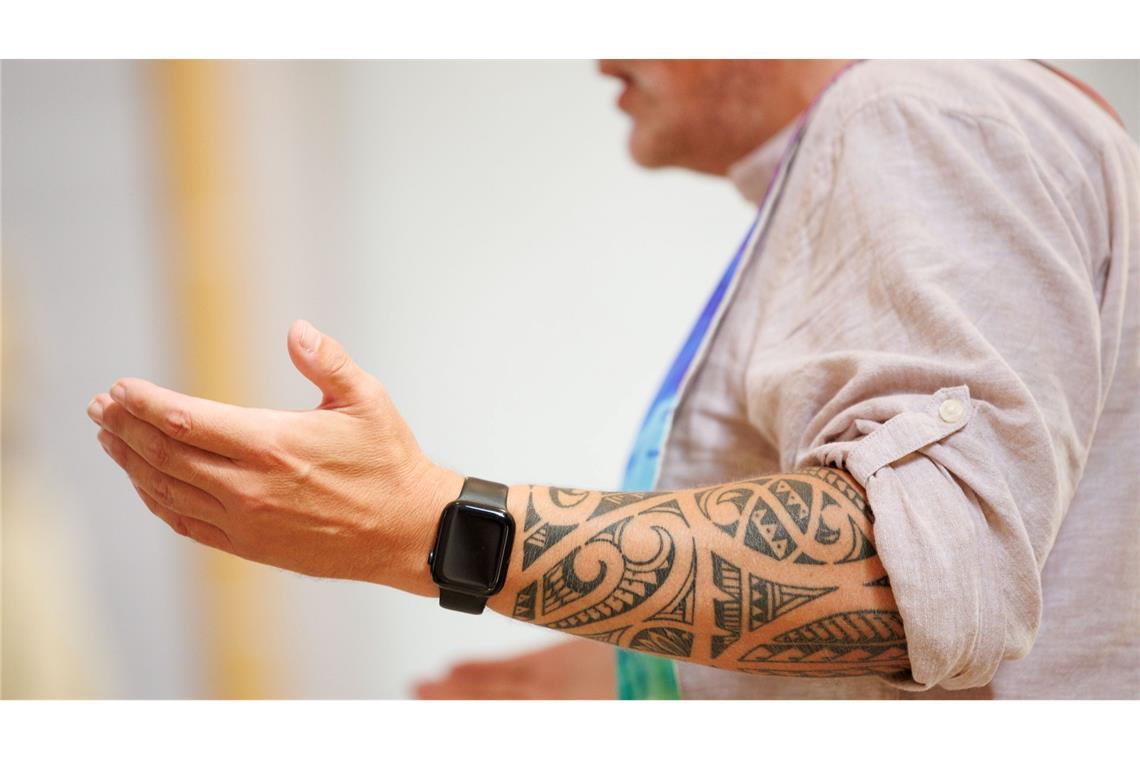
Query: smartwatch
472	546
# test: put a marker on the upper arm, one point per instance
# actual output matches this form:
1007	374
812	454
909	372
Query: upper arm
936	266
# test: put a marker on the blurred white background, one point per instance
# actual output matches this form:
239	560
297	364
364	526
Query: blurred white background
421	212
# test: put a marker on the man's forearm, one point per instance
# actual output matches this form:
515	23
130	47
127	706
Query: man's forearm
770	575
775	575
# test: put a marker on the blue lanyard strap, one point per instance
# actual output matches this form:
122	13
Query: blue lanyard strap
643	676
644	458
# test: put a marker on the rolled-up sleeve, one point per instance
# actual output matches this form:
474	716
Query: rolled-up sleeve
933	329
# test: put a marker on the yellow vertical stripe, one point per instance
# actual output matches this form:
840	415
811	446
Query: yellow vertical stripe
206	281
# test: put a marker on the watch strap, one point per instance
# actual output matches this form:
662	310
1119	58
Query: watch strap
484	493
460	602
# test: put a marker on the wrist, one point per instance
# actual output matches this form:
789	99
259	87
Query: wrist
435	487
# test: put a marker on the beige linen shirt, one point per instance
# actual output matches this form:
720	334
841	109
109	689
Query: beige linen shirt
945	304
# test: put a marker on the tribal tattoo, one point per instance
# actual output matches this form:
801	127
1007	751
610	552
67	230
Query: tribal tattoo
775	576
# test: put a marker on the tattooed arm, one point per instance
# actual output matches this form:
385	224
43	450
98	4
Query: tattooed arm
776	575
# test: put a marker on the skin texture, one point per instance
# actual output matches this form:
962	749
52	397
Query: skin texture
771	575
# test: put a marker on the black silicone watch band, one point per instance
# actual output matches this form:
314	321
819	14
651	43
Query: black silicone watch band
487	494
460	602
484	492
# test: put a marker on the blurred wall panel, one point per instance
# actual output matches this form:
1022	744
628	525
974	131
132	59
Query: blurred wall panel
294	160
83	297
208	285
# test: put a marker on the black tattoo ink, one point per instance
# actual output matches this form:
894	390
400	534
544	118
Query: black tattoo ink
726	612
524	602
682	607
768	600
612	501
670	642
858	639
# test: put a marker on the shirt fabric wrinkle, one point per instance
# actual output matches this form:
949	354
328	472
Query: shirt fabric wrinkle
936	240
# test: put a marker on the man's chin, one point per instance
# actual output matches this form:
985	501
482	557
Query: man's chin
648	154
661	154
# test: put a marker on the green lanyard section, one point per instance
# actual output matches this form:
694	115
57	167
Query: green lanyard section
643	676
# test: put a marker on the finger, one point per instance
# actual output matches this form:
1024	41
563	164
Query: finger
329	367
210	472
197	530
169	493
209	425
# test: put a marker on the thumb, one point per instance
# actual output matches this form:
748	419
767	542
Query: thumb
327	365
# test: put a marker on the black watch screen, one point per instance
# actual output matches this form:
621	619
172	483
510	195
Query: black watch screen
471	548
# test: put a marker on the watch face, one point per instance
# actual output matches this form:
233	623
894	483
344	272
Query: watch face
470	548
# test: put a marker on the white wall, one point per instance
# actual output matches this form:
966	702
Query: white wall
1117	81
424	214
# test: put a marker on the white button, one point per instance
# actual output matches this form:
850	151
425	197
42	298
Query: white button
951	410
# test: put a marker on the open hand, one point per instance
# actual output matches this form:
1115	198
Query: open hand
340	491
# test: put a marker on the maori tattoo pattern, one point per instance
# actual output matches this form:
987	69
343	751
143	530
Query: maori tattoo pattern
861	638
772	576
727	612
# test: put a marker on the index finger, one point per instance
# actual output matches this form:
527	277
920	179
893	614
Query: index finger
209	425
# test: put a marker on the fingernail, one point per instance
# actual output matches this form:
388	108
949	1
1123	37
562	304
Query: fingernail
95	410
118	393
310	338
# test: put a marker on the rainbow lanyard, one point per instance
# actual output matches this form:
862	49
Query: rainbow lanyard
643	676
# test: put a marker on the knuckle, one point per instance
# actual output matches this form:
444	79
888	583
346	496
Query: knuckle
254	500
178	424
157	451
273	455
276	455
303	472
113	444
339	364
161	491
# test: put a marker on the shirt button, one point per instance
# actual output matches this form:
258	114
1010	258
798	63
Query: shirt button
951	410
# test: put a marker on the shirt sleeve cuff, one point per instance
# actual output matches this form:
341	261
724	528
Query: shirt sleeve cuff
932	538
